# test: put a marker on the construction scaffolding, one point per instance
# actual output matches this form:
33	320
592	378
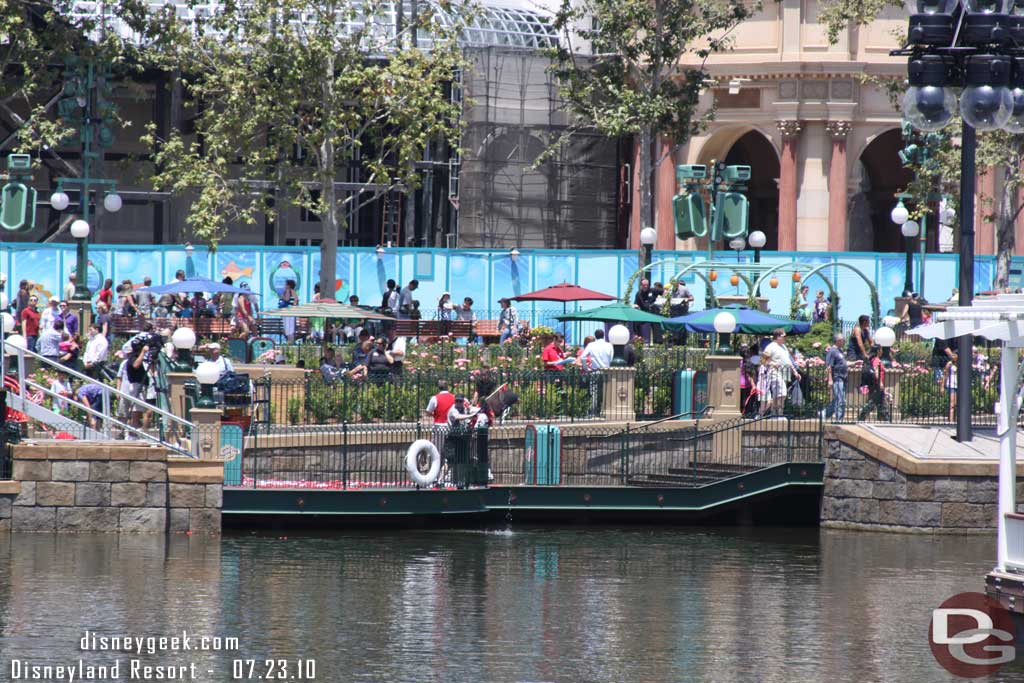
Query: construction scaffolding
512	114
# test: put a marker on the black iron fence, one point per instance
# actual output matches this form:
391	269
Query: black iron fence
567	395
911	394
667	453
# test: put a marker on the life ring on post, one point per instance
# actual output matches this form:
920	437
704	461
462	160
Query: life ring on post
412	464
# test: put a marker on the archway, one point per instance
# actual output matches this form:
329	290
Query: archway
755	150
751	147
882	175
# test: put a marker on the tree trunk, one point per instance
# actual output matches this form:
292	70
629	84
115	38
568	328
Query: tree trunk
1006	238
645	180
329	245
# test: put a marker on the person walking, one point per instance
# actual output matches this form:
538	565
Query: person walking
95	356
781	361
836	374
872	382
860	340
949	384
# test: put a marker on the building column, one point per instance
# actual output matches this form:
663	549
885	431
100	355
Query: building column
984	228
837	198
788	184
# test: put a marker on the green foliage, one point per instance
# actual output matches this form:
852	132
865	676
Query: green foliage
274	84
648	73
820	334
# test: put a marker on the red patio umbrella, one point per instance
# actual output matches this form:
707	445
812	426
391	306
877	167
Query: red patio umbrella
564	292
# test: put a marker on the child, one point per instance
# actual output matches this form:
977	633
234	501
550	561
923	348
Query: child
949	382
872	378
764	383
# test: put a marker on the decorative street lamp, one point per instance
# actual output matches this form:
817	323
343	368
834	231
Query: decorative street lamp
725	325
975	49
885	337
190	265
380	252
207	374
648	236
757	240
183	340
618	336
901	217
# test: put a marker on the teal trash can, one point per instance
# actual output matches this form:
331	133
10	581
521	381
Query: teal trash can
689	393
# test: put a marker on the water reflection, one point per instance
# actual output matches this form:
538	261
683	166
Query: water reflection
535	605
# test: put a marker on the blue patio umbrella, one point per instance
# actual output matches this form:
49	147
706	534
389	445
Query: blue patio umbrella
748	321
196	284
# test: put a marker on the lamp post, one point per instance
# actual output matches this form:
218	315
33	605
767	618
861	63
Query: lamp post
900	216
910	230
725	325
618	336
972	46
207	374
757	240
648	236
183	339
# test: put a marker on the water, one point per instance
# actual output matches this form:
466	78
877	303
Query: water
572	606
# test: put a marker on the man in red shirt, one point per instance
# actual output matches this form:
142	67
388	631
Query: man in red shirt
554	353
30	322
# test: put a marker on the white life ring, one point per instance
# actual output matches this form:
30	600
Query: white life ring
412	466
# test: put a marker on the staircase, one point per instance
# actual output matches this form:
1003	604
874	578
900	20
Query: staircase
38	401
728	450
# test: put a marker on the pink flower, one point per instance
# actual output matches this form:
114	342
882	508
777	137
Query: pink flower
816	345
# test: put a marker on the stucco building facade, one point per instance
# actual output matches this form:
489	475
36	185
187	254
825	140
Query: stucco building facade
812	119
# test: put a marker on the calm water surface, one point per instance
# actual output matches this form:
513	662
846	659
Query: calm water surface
584	605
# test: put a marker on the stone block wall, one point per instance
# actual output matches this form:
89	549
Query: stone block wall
67	486
862	490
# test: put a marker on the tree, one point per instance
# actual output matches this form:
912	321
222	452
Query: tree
292	95
647	72
997	151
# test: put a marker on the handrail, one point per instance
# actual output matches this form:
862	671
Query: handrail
22	352
680	416
108	392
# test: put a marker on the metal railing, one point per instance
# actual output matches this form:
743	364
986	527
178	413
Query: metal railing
173	432
685	454
568	396
911	394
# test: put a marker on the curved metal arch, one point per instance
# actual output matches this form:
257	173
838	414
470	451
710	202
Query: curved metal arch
734	268
721	265
876	306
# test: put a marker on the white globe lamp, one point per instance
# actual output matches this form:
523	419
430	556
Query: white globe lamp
757	239
13	343
183	338
910	229
8	322
648	236
112	202
59	200
618	336
899	214
79	229
885	337
207	375
725	323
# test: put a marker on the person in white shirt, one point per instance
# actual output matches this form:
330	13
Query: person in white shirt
48	315
599	352
785	369
96	348
223	364
597	356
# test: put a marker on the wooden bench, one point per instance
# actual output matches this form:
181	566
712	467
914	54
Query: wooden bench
204	327
430	330
488	330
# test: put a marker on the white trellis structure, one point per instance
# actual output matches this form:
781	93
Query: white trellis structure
996	318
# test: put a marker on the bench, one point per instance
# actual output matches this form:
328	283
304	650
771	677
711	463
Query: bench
488	330
431	330
204	327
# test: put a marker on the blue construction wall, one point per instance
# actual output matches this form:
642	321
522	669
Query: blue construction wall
482	274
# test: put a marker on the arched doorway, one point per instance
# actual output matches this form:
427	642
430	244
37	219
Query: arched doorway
882	175
755	150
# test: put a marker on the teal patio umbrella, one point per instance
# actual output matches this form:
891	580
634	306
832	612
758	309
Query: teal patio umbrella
614	313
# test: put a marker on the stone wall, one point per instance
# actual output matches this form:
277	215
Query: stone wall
867	486
67	486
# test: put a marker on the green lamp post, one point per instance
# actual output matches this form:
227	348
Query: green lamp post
207	374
